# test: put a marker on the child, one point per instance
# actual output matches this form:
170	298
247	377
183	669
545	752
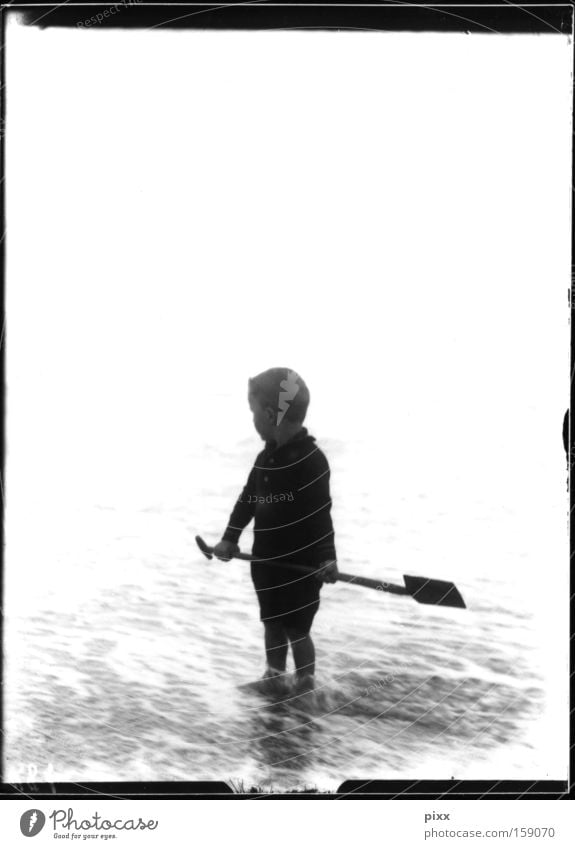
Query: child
287	494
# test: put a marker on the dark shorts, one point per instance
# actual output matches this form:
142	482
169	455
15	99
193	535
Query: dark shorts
285	596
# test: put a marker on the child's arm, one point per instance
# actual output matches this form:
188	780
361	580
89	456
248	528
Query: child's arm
242	514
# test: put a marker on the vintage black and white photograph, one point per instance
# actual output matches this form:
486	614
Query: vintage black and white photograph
287	371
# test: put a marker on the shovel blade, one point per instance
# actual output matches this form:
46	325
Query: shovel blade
430	591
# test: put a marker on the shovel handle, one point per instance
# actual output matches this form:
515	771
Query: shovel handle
373	584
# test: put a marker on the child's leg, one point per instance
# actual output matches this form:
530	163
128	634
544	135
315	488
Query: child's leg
303	651
276	641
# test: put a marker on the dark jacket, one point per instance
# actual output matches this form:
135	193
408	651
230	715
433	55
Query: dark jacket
287	493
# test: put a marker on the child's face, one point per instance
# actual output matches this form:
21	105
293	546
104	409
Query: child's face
263	419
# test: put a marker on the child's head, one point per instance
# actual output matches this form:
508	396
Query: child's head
279	400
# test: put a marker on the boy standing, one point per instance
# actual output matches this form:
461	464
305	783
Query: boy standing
287	495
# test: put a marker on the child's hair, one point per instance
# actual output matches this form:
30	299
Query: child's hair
284	391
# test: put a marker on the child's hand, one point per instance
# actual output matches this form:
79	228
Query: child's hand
328	571
225	550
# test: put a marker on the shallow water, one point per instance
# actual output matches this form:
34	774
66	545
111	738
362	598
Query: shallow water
125	647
